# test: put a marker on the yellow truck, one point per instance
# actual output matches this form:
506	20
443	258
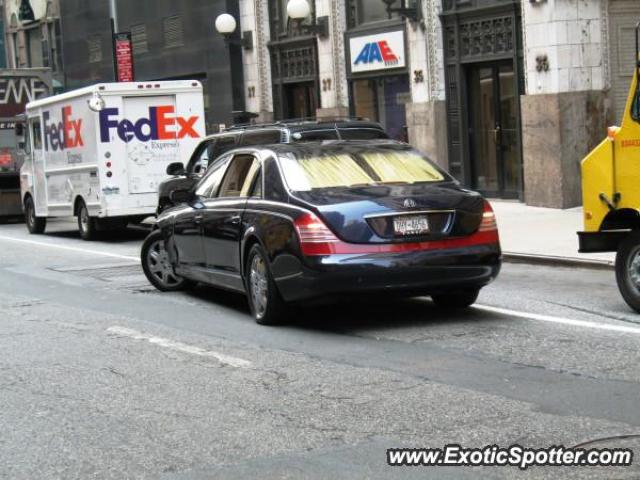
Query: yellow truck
611	195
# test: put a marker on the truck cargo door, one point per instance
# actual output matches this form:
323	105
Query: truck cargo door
152	141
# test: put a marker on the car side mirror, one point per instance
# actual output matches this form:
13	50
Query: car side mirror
180	196
176	169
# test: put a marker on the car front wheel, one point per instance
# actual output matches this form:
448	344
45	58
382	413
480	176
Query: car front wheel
267	307
157	266
456	300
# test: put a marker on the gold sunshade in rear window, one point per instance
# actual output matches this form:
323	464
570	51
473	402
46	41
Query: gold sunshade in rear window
363	168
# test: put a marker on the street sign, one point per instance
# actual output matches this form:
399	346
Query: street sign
124	57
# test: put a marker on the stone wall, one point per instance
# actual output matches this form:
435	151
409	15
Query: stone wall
428	129
558	130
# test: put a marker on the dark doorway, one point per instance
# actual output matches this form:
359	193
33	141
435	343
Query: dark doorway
300	100
493	129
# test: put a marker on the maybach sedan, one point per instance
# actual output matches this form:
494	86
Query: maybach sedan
294	224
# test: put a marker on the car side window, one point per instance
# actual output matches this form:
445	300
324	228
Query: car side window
208	186
239	177
37	135
200	153
256	188
362	134
223	145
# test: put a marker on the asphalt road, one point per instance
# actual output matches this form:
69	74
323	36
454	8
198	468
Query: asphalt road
103	377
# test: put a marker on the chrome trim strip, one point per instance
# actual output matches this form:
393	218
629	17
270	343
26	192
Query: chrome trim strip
415	212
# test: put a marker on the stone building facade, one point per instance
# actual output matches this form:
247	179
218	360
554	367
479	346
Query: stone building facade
508	95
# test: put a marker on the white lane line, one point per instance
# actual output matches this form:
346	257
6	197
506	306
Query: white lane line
563	321
66	247
179	347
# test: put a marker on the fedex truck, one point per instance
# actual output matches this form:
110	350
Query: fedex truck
99	153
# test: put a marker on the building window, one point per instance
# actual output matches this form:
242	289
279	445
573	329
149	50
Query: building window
383	99
34	47
94	45
139	39
360	12
173	31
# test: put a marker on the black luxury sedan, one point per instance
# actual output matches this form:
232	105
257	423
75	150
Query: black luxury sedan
290	131
293	223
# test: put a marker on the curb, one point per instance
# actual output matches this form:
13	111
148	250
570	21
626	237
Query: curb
555	261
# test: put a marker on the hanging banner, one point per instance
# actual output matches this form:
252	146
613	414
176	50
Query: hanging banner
124	57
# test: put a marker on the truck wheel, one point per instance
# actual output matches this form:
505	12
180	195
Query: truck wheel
87	226
628	270
35	225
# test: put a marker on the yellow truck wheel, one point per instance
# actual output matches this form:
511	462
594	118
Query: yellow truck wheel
628	270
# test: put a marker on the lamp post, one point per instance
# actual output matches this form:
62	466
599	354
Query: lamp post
226	25
299	10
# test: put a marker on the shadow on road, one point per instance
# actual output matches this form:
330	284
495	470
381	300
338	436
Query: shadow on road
115	236
356	314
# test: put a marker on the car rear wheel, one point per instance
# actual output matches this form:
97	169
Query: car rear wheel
158	268
628	270
87	225
456	300
267	307
35	225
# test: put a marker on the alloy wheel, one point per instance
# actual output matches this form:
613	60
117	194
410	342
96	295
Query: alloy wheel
633	269
160	266
259	285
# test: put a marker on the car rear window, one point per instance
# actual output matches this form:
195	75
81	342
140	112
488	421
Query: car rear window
364	168
362	134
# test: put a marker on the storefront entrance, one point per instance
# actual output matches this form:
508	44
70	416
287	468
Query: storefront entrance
383	100
300	100
493	129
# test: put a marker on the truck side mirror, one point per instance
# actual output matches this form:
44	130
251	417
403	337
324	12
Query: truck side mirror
176	169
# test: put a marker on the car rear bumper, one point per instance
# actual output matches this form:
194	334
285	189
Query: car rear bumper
406	273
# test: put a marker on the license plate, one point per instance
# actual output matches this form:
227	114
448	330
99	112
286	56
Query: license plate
415	225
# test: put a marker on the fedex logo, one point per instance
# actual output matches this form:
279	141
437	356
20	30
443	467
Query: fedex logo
377	52
161	124
62	135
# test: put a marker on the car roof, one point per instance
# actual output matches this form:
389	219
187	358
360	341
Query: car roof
299	125
335	146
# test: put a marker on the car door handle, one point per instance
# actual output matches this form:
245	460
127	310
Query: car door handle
234	220
198	218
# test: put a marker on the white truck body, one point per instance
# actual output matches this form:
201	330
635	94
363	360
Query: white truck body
112	159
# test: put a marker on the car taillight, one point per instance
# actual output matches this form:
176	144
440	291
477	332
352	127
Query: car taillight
315	236
488	223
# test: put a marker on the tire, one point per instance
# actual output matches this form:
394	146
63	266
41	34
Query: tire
157	267
35	225
456	300
87	226
265	303
628	270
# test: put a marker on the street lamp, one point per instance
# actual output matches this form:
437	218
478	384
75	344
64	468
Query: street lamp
413	13
226	25
299	10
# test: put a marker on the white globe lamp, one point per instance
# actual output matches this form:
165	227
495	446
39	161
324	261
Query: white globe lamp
226	24
298	9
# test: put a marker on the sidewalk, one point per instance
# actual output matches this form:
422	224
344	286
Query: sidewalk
543	235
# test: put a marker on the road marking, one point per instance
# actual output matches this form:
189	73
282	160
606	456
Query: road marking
179	347
72	249
560	320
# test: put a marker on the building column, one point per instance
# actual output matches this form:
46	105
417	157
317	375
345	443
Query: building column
254	17
426	113
334	99
565	110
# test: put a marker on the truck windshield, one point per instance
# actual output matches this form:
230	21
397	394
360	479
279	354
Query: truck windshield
356	169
